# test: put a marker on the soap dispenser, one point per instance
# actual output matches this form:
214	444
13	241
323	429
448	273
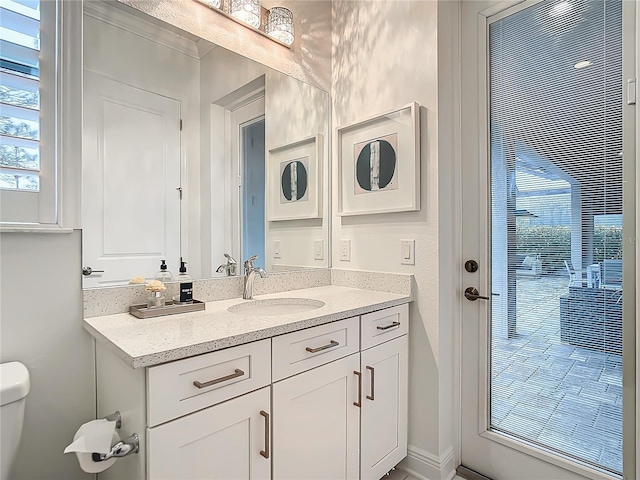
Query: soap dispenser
185	290
163	274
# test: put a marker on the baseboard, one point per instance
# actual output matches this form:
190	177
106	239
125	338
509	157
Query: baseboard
469	474
426	466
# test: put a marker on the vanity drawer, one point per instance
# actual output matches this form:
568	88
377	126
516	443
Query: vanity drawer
178	388
298	351
378	327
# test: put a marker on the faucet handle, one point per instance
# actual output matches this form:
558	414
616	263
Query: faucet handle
249	262
230	259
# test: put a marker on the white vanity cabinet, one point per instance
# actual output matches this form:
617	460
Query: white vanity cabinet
327	402
384	367
206	416
229	441
316	422
324	415
383	421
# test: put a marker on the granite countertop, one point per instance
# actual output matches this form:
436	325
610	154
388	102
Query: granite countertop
152	341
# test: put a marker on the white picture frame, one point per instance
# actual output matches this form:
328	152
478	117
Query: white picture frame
300	197
379	163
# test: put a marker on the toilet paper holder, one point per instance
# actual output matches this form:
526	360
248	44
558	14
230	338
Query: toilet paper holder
120	449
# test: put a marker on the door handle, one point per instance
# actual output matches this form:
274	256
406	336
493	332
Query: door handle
236	373
265	452
387	327
472	294
86	271
331	344
373	388
359	402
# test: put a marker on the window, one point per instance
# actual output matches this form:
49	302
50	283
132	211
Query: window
29	87
20	96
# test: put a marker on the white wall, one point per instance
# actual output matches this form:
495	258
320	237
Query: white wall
222	72
386	55
295	111
41	324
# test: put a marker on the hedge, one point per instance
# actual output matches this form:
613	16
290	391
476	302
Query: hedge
553	244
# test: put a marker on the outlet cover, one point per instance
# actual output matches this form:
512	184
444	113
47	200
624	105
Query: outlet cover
345	250
318	250
407	252
276	249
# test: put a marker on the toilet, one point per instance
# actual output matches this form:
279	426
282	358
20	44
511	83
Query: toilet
14	387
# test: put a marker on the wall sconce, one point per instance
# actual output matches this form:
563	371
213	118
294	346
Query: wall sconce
247	11
280	24
275	24
212	3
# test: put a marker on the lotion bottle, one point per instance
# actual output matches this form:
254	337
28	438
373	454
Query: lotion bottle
163	274
185	287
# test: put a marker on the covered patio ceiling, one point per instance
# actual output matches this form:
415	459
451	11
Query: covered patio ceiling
576	125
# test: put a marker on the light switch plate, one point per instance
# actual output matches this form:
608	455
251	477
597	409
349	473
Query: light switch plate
407	252
318	250
345	250
276	249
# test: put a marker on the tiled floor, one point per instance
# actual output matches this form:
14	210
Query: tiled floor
400	475
568	398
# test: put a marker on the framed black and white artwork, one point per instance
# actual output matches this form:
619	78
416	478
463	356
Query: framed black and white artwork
379	163
294	180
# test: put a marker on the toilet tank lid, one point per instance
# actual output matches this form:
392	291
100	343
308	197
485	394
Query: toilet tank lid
14	382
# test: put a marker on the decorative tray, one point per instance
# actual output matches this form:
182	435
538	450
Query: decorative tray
142	311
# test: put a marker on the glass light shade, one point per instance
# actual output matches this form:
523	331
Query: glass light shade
247	11
280	25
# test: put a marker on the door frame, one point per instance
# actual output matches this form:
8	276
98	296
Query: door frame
242	114
631	69
474	101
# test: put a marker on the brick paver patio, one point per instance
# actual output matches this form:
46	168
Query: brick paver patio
565	397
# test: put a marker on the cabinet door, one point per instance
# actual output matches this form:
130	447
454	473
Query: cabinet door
384	407
221	442
316	424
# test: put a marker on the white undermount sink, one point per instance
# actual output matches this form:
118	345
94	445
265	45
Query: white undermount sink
276	306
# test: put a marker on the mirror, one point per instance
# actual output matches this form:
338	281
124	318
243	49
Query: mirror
190	149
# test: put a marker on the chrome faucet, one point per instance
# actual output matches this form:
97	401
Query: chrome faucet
250	271
230	267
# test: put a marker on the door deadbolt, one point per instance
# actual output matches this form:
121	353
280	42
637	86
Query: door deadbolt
471	266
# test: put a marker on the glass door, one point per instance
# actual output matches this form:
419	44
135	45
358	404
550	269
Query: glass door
549	219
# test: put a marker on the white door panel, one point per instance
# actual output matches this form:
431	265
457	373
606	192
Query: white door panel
131	170
489	444
316	424
223	441
383	442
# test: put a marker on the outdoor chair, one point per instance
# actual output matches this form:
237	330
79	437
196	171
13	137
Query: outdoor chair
575	276
611	275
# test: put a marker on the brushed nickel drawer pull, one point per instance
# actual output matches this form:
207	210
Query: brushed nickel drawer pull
387	327
265	452
332	344
237	373
359	402
373	388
